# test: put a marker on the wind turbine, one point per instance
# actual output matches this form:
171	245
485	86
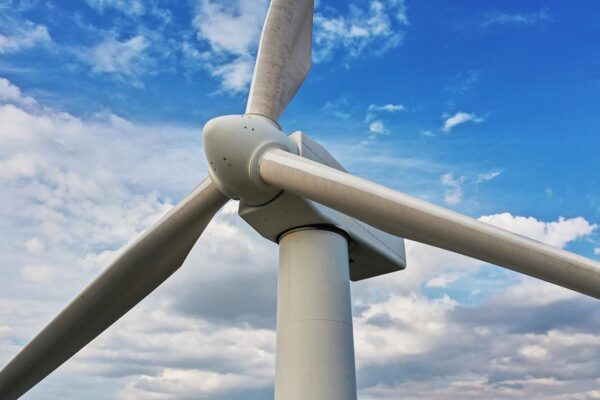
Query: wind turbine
331	228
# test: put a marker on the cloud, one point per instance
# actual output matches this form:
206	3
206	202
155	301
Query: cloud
232	32
128	7
93	183
338	108
516	19
597	251
93	188
376	125
232	27
374	30
458	119
201	384
387	108
373	110
432	350
454	192
488	176
442	280
455	187
35	245
556	233
124	59
236	75
463	82
10	93
24	35
38	273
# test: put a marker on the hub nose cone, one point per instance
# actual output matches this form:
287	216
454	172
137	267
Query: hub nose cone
233	145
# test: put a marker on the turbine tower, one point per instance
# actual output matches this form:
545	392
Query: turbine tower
331	227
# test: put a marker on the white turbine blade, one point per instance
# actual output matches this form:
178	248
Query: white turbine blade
146	264
405	216
284	57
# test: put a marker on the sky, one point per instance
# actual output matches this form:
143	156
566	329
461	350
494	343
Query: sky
488	108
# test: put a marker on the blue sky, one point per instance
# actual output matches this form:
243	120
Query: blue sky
489	108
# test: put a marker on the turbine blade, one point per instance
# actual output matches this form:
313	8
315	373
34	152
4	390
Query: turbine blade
411	218
284	57
142	267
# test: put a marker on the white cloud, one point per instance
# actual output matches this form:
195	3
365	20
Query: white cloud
19	166
488	176
523	19
375	29
454	192
533	352
531	291
233	27
236	75
23	36
557	233
97	191
10	93
377	127
597	251
387	108
200	384
443	280
128	7
100	180
373	110
423	323
38	273
232	32
35	245
458	119
127	59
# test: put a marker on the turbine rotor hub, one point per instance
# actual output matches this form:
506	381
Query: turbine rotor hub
234	145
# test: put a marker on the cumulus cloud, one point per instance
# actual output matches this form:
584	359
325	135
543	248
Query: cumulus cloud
380	23
454	192
86	196
35	245
377	127
375	123
232	32
458	119
556	233
201	384
38	273
125	59
443	280
94	183
10	93
22	36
